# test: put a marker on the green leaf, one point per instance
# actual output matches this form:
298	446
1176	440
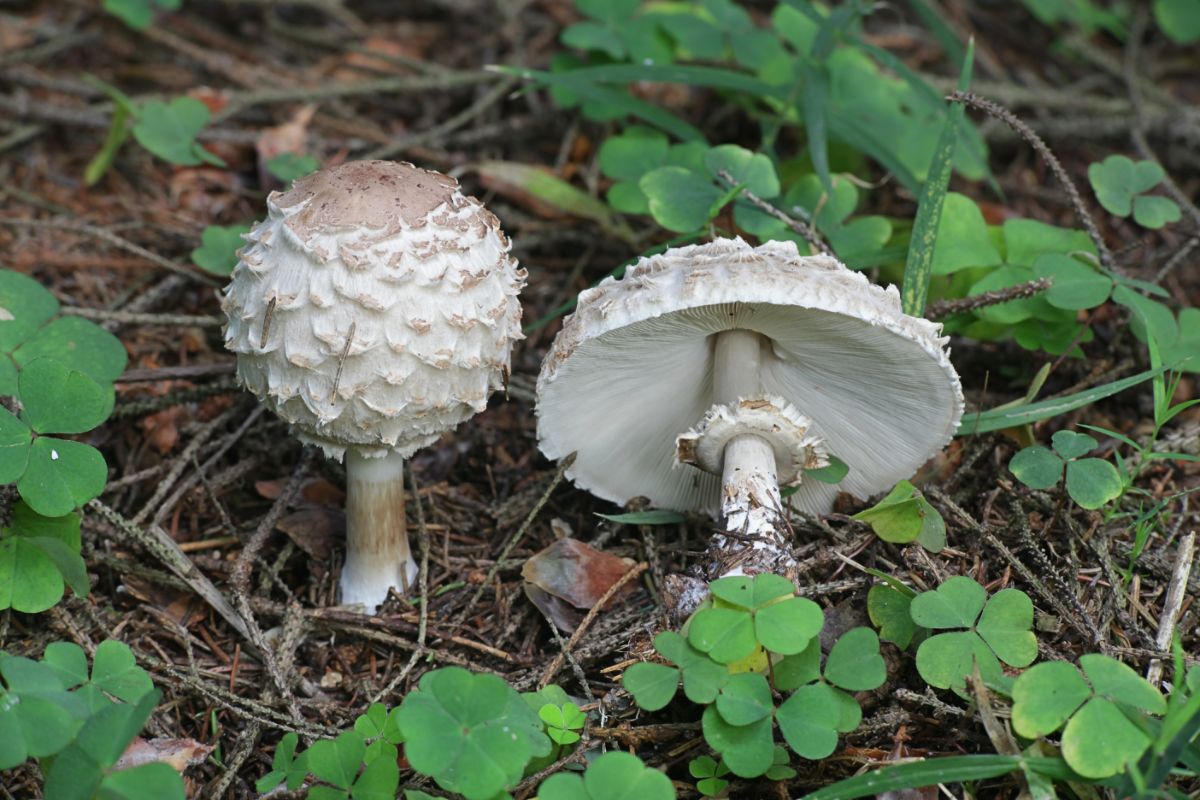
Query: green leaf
854	662
168	130
1093	482
1026	239
655	516
747	750
608	12
1118	179
471	732
1099	741
815	98
933	528
1074	285
726	634
633	153
751	170
61	476
79	344
1178	20
918	267
808	721
897	517
1037	467
15	441
752	594
702	677
680	200
555	192
889	611
962	237
1070	444
945	660
652	685
337	760
1006	624
29	580
744	699
1012	416
1045	696
787	627
155	781
58	399
217	253
792	672
67	561
954	604
115	671
832	474
1154	212
371	724
25	306
287	167
612	776
594	36
1117	681
68	661
918	774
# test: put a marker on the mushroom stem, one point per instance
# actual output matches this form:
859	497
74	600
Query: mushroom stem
377	554
755	536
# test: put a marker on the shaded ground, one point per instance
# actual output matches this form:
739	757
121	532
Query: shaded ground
191	458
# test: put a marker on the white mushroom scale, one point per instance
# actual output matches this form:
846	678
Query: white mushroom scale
374	309
710	374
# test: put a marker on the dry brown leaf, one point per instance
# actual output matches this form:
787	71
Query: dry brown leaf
569	576
178	753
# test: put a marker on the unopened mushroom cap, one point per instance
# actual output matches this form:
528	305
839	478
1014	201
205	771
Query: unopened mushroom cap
374	308
632	369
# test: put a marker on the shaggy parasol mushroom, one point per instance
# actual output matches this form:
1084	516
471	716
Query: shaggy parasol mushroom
710	374
374	309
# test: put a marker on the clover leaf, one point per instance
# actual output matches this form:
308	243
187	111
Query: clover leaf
562	722
679	199
219	245
888	608
471	732
1098	738
821	706
1120	183
903	516
831	213
748	750
286	768
138	14
1074	285
1091	482
994	630
612	776
168	130
287	167
711	775
751	612
37	555
702	676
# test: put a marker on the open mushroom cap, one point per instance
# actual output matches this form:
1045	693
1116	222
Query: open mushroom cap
632	369
374	308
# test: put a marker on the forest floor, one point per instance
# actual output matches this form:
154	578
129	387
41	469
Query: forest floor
192	456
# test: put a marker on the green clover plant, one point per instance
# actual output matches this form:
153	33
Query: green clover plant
1091	482
217	253
755	626
77	724
979	629
1120	184
1096	706
612	776
37	556
904	516
710	774
287	167
138	14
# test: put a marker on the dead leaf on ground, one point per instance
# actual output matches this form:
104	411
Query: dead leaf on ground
178	753
569	577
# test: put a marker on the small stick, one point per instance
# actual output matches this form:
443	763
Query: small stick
1173	602
337	378
133	318
799	228
266	329
944	308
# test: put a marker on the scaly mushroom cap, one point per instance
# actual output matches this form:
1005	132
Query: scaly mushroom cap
632	369
375	307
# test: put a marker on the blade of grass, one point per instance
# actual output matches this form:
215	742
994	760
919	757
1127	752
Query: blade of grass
952	769
1000	418
919	267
